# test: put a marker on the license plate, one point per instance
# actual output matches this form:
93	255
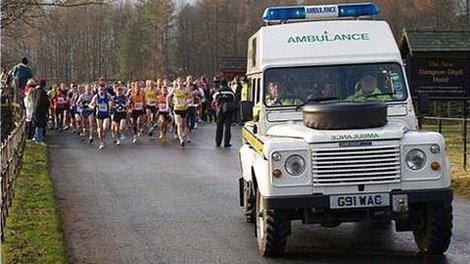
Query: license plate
359	200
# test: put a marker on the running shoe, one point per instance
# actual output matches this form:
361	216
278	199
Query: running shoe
182	143
117	142
135	140
90	140
101	146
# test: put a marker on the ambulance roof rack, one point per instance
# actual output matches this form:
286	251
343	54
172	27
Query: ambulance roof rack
283	14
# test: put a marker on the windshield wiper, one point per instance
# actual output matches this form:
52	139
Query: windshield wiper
317	100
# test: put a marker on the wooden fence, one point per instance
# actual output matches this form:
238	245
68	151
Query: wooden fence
11	161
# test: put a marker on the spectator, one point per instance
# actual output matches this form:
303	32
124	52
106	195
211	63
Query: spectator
29	107
20	73
41	107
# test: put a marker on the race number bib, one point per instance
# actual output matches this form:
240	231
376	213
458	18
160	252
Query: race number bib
103	107
120	108
139	106
180	101
151	102
162	108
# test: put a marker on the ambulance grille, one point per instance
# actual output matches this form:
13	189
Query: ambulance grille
356	165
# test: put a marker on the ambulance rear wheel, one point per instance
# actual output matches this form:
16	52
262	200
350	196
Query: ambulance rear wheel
432	227
271	231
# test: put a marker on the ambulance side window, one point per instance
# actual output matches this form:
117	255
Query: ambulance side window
252	89
255	92
253	52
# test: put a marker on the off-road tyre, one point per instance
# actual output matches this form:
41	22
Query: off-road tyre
273	240
249	201
432	227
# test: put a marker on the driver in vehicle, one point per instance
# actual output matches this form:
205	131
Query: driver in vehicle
277	96
367	90
328	91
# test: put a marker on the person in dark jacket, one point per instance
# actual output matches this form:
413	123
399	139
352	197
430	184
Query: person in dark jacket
224	105
41	110
21	73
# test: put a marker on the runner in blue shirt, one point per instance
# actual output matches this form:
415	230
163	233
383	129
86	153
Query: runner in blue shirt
101	101
120	106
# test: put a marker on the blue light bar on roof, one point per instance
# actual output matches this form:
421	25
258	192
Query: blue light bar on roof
272	14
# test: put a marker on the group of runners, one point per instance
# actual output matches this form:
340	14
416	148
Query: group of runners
150	107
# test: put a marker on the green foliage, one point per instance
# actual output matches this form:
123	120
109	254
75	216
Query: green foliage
128	52
32	233
140	49
10	115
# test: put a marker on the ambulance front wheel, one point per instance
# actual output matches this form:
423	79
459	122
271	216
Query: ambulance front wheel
432	226
272	230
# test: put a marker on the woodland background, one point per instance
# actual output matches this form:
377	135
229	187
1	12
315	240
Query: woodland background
80	40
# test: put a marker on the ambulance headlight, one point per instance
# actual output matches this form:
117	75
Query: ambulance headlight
295	165
415	159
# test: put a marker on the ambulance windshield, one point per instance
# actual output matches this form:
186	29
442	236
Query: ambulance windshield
349	83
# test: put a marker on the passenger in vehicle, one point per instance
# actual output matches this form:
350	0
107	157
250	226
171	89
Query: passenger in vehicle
367	90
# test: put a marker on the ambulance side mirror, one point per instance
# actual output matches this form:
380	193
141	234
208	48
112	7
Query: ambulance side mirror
424	103
423	107
246	111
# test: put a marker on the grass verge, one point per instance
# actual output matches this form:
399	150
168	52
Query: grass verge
452	133
32	232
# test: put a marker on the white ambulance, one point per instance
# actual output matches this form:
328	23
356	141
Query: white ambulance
331	135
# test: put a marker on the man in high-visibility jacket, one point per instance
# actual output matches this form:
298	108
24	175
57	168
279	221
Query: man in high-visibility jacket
244	92
367	91
236	87
237	90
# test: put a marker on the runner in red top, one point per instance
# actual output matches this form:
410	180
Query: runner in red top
137	104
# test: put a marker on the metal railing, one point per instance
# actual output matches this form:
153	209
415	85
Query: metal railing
11	161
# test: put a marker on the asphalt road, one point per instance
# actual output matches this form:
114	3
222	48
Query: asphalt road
155	203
